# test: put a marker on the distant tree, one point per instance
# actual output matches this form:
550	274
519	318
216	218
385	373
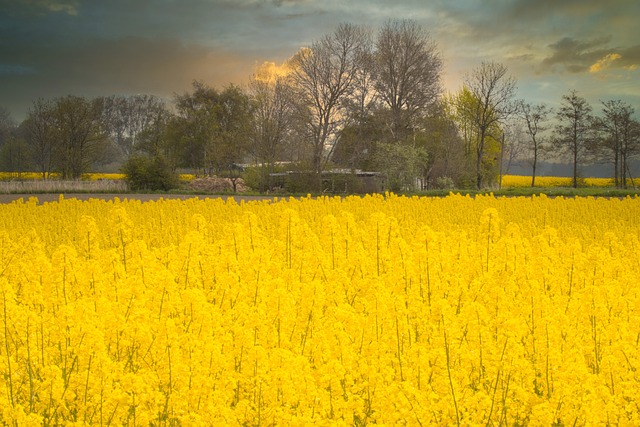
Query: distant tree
126	117
149	173
482	157
512	145
271	120
441	139
619	142
492	89
13	149
153	141
364	119
573	133
211	128
232	136
79	135
407	70
401	163
14	154
535	118
7	125
193	127
357	139
323	75
40	133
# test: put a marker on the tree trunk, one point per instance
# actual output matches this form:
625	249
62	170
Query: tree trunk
501	161
575	168
535	164
479	160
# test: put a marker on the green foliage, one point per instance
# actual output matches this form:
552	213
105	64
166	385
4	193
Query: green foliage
401	163
445	183
259	177
146	173
211	128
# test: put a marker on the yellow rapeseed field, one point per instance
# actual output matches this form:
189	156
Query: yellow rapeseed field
511	181
329	311
7	176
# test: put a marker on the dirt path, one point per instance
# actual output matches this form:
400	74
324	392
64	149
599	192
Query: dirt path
42	198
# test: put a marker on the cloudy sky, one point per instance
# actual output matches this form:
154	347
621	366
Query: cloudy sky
51	48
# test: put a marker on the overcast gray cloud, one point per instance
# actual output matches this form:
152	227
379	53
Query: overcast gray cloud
90	47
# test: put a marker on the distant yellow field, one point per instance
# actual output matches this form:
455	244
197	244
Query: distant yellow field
508	181
513	181
5	176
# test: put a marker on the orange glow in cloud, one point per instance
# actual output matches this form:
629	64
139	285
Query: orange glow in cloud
604	62
269	71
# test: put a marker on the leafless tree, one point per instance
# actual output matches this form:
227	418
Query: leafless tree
271	119
619	141
323	75
535	118
407	73
493	89
574	131
512	145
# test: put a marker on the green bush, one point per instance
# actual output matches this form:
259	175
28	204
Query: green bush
149	173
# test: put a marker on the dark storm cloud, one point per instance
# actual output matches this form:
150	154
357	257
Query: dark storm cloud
88	47
15	70
576	56
582	56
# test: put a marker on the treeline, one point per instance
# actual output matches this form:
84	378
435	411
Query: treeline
353	100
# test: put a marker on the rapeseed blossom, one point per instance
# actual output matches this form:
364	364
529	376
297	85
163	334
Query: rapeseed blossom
347	311
513	181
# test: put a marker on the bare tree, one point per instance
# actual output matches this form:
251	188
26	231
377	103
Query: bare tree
323	75
493	90
271	118
535	118
511	145
620	143
574	130
407	73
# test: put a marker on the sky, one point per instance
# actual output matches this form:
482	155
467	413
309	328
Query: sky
52	48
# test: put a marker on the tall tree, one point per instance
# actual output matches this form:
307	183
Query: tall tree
512	143
79	134
13	150
7	124
126	117
407	71
211	127
535	118
271	119
231	138
39	130
194	125
574	131
323	75
619	142
493	89
442	140
153	140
